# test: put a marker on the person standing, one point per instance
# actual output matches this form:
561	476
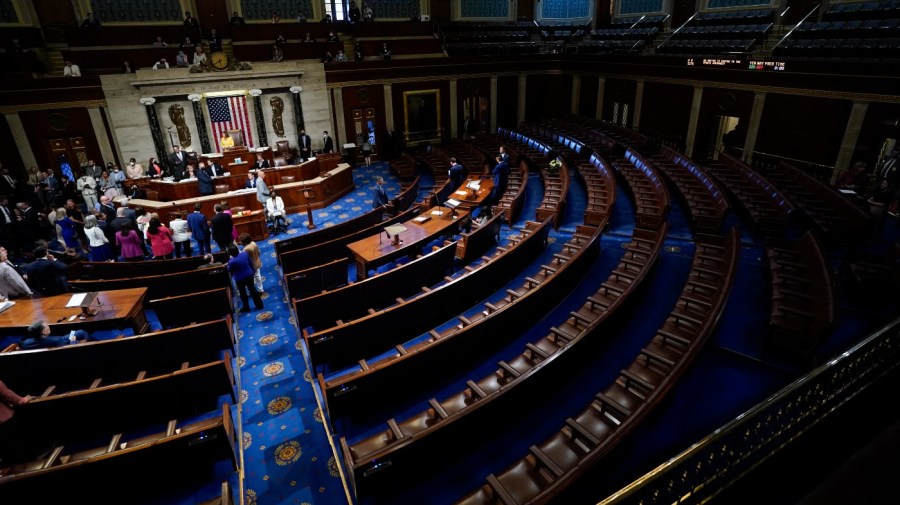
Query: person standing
160	239
241	269
457	174
305	145
204	180
262	190
134	170
380	198
87	185
199	229
327	143
100	250
252	250
190	20
130	246
181	235
221	228
366	148
12	285
215	41
177	162
13	443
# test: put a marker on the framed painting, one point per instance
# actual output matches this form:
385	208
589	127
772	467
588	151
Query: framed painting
422	116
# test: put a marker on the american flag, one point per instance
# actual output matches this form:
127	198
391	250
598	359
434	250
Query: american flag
229	113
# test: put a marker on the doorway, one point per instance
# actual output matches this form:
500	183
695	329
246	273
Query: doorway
726	135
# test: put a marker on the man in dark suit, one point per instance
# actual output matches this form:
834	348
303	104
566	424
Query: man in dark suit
328	143
204	180
199	229
45	274
107	208
177	160
457	174
8	185
379	197
7	223
190	21
305	145
221	229
214	168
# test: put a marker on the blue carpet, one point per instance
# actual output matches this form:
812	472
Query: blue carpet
534	194
576	203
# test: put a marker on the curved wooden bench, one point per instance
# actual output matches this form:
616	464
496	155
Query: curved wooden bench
648	190
126	269
616	410
767	208
361	222
601	190
376	292
182	310
177	451
479	331
473	244
318	279
344	344
705	200
161	286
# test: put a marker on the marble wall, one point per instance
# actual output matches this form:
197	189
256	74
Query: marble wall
128	116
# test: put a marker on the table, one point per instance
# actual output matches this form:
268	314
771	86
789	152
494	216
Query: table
117	309
378	249
469	198
168	191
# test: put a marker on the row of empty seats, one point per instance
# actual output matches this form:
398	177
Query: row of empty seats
705	200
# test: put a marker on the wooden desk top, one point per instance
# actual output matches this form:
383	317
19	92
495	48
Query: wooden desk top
473	198
117	305
378	247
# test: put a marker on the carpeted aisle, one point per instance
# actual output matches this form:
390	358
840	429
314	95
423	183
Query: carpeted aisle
286	452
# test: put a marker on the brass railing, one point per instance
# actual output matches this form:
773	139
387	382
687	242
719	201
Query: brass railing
721	458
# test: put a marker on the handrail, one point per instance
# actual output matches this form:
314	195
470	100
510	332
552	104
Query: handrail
721	458
788	34
825	168
639	21
679	28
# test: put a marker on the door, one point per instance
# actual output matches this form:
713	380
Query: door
68	155
211	15
364	121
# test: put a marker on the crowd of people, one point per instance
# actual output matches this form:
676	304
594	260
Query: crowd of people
878	186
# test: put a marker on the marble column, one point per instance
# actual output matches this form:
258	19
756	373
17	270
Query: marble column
340	128
692	122
638	99
106	151
851	136
759	102
260	120
202	131
576	94
20	139
453	108
493	104
520	100
389	107
601	85
298	108
155	131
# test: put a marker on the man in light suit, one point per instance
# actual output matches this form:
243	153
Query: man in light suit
328	143
177	161
305	145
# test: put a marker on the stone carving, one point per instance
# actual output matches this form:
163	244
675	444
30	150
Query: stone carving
277	109
176	114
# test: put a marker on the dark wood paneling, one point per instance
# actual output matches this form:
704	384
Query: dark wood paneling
547	96
43	125
804	128
440	10
365	96
666	108
212	14
621	91
601	12
525	10
881	123
587	102
507	93
718	102
53	16
473	88
10	157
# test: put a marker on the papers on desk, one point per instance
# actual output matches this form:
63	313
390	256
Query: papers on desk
463	193
847	191
395	229
6	304
438	213
474	185
422	219
76	300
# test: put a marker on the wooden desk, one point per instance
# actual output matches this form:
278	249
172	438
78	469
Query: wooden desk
117	309
470	199
247	156
168	191
378	249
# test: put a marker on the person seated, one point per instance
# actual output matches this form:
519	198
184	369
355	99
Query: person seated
277	55
162	63
332	37
275	211
90	21
199	56
276	18
181	60
340	57
159	42
280	40
135	192
127	68
226	141
367	12
385	52
38	337
301	16
187	45
308	39
236	20
71	70
327	18
327	58
260	162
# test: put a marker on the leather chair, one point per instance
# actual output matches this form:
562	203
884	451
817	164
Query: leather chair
280	161
221	188
152	194
284	147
